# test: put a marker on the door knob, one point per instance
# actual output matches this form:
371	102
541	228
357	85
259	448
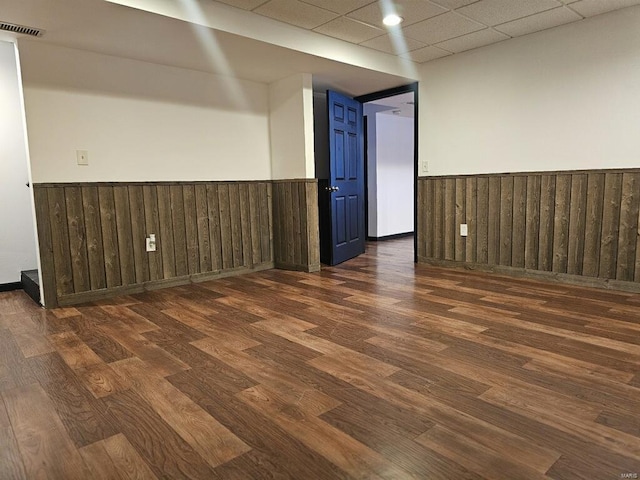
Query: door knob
332	189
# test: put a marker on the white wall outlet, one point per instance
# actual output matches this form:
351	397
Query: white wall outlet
464	230
425	166
151	242
82	156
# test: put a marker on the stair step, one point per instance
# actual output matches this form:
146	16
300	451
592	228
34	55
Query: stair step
31	284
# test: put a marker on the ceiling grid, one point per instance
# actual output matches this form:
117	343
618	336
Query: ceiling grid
431	28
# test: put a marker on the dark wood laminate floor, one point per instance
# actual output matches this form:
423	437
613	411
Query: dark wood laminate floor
372	369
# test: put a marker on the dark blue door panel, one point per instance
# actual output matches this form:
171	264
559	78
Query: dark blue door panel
346	177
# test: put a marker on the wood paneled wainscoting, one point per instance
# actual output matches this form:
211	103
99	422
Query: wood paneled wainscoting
578	227
296	236
92	235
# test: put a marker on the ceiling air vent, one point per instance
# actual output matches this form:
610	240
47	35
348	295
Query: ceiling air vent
12	27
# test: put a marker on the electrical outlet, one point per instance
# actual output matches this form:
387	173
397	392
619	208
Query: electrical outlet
82	156
425	166
464	230
151	242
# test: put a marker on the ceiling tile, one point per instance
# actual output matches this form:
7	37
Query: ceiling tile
473	40
350	30
453	4
245	4
589	8
339	6
425	54
494	12
442	27
411	10
296	13
539	21
394	44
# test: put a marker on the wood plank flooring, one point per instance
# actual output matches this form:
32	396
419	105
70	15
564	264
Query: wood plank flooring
376	368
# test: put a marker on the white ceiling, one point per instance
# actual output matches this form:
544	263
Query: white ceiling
267	40
112	29
401	105
431	28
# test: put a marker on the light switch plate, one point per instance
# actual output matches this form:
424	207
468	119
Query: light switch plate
464	230
83	157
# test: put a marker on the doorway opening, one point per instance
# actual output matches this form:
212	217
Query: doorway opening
391	163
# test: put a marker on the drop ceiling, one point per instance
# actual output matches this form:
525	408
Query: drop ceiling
431	28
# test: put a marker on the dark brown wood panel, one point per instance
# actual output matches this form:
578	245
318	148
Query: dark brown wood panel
100	233
236	224
423	219
152	223
138	234
460	218
569	224
429	217
226	238
471	202
628	233
60	241
518	237
296	243
532	233
109	236
438	218
179	228
47	265
577	219
506	220
449	218
493	221
547	216
593	227
562	209
191	228
95	251
482	216
213	203
610	225
245	216
204	238
165	243
125	235
77	239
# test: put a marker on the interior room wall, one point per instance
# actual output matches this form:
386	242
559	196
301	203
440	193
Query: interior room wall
533	143
17	236
140	121
565	98
391	167
291	126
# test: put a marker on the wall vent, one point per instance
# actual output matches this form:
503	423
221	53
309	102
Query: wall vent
12	27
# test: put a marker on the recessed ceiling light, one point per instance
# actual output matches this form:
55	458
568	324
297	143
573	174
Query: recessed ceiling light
392	20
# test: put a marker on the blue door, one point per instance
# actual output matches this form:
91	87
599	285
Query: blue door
346	177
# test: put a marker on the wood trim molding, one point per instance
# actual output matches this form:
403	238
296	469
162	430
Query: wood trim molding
577	280
92	296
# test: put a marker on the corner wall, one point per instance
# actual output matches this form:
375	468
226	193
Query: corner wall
560	111
17	233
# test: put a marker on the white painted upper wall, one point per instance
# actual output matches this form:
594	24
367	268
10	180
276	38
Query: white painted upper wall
140	121
562	99
291	123
17	235
394	164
